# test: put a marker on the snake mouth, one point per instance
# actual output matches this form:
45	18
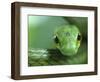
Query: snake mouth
68	52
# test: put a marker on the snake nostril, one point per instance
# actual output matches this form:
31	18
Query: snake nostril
56	39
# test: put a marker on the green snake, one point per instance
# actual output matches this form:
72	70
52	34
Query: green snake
67	40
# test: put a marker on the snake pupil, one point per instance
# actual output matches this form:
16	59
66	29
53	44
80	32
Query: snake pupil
79	37
56	39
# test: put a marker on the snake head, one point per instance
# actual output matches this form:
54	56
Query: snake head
67	39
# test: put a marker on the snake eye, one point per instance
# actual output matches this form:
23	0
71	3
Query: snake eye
56	39
79	37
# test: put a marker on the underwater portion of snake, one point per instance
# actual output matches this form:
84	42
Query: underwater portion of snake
69	45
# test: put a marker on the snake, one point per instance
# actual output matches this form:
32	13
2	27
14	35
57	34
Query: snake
69	46
67	39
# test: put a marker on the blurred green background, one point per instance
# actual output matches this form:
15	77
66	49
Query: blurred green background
41	30
40	37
